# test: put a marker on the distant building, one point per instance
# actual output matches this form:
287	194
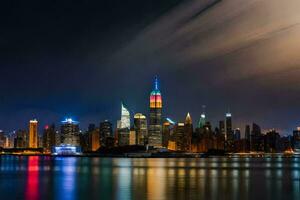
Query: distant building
237	134
180	137
123	127
49	137
257	138
202	119
188	130
140	127
247	138
296	140
132	136
229	136
272	142
228	125
247	132
124	122
123	137
33	134
222	127
106	132
70	132
155	118
21	139
94	135
167	132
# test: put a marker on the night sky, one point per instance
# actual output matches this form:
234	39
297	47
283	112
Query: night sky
62	58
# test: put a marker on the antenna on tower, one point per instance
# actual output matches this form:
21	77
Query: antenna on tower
156	84
203	109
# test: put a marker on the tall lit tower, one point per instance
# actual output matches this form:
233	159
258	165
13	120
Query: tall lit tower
33	134
228	124
155	127
202	119
124	122
70	132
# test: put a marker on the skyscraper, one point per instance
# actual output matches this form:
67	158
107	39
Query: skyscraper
228	124
140	126
123	127
155	127
202	119
33	134
188	129
106	132
257	140
229	135
49	137
180	137
70	132
124	122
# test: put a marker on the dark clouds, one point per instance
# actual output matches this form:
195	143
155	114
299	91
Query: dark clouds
83	58
237	54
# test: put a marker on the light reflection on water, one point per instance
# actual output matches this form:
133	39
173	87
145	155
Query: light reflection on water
156	178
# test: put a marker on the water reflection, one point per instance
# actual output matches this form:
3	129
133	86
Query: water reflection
118	178
32	190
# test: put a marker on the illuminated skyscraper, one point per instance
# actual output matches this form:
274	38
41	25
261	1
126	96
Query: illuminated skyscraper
123	127
49	137
228	124
202	119
180	137
140	126
70	132
33	134
106	132
155	127
124	122
296	140
188	130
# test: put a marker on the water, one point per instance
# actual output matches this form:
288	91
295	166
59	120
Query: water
34	177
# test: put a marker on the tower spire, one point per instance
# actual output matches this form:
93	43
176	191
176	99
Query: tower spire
156	83
188	119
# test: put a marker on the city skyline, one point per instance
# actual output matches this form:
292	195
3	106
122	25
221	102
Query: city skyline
150	99
127	117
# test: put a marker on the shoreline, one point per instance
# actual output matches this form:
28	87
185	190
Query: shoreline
169	155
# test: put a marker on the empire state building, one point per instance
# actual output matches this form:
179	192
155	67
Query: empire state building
155	127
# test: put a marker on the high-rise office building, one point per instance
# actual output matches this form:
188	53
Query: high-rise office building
247	132
247	138
257	139
188	130
296	140
123	127
167	131
228	124
237	134
124	122
180	137
33	134
106	132
20	139
222	127
272	142
94	137
202	119
141	130
155	118
70	132
132	136
49	137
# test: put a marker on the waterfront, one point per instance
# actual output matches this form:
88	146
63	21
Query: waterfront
42	177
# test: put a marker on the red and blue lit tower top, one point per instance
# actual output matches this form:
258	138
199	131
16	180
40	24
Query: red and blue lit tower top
155	96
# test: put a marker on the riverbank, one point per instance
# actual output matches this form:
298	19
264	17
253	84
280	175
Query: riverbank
163	155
